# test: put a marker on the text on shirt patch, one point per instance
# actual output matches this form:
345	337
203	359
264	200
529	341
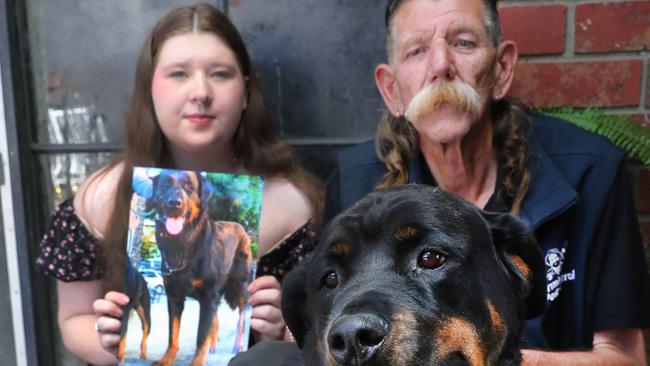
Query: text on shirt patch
554	260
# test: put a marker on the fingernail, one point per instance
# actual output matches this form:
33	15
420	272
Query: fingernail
125	299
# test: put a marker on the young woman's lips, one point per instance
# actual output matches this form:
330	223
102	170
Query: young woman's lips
200	119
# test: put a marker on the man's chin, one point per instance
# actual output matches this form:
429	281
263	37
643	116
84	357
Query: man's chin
444	126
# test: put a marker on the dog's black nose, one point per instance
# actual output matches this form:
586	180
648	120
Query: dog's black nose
356	337
174	203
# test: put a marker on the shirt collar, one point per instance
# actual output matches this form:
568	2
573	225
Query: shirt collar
549	194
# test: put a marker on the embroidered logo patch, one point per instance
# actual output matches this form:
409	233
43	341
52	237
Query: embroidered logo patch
554	277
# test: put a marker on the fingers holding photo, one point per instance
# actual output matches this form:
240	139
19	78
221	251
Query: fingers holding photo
110	305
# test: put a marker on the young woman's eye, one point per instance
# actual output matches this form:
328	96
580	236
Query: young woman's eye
221	74
178	74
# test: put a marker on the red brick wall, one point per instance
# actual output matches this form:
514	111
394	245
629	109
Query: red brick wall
586	53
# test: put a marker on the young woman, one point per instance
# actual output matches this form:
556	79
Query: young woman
196	105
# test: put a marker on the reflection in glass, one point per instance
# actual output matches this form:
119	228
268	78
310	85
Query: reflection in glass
65	172
75	122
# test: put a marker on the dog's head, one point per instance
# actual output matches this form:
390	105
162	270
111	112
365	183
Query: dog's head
177	201
415	276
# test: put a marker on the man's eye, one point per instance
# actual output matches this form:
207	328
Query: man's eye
429	259
330	280
463	43
415	52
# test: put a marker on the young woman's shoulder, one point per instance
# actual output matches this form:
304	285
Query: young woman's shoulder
94	201
283	195
285	209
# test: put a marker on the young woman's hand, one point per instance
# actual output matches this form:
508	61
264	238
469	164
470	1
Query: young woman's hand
108	311
266	322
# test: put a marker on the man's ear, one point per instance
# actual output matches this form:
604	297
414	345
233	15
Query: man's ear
294	295
386	83
504	69
518	251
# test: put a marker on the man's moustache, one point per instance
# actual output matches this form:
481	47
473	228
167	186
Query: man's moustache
455	93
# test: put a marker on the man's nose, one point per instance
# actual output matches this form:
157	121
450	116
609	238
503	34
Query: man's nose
441	62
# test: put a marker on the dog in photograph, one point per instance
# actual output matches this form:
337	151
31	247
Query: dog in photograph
136	289
201	258
416	276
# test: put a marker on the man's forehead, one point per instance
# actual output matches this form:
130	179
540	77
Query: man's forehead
421	15
413	36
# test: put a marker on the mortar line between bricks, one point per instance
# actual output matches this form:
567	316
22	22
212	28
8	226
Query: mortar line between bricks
621	110
594	57
644	83
569	41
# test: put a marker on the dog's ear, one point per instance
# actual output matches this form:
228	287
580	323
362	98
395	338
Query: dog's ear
518	250
206	189
294	295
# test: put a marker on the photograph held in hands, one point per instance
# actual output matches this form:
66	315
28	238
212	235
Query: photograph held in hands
191	253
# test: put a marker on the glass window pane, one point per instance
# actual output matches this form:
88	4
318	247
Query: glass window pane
83	58
64	173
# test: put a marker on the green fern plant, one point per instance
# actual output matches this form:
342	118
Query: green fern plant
629	136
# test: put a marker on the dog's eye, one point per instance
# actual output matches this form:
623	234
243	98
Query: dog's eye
330	280
189	187
430	260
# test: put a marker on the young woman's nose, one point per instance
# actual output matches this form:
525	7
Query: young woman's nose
441	63
201	92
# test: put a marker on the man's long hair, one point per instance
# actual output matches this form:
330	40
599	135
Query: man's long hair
396	141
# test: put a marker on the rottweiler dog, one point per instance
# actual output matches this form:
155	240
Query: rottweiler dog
136	288
416	276
201	258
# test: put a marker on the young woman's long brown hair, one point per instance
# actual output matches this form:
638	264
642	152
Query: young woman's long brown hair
257	146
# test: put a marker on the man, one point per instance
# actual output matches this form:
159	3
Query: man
450	124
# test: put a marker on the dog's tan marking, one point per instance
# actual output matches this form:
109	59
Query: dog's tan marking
405	233
341	248
495	317
214	332
403	332
145	332
330	360
201	353
521	265
121	348
459	335
500	332
195	207
172	348
197	283
194	199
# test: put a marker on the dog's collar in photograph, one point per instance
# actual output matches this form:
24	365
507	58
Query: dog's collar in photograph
166	270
